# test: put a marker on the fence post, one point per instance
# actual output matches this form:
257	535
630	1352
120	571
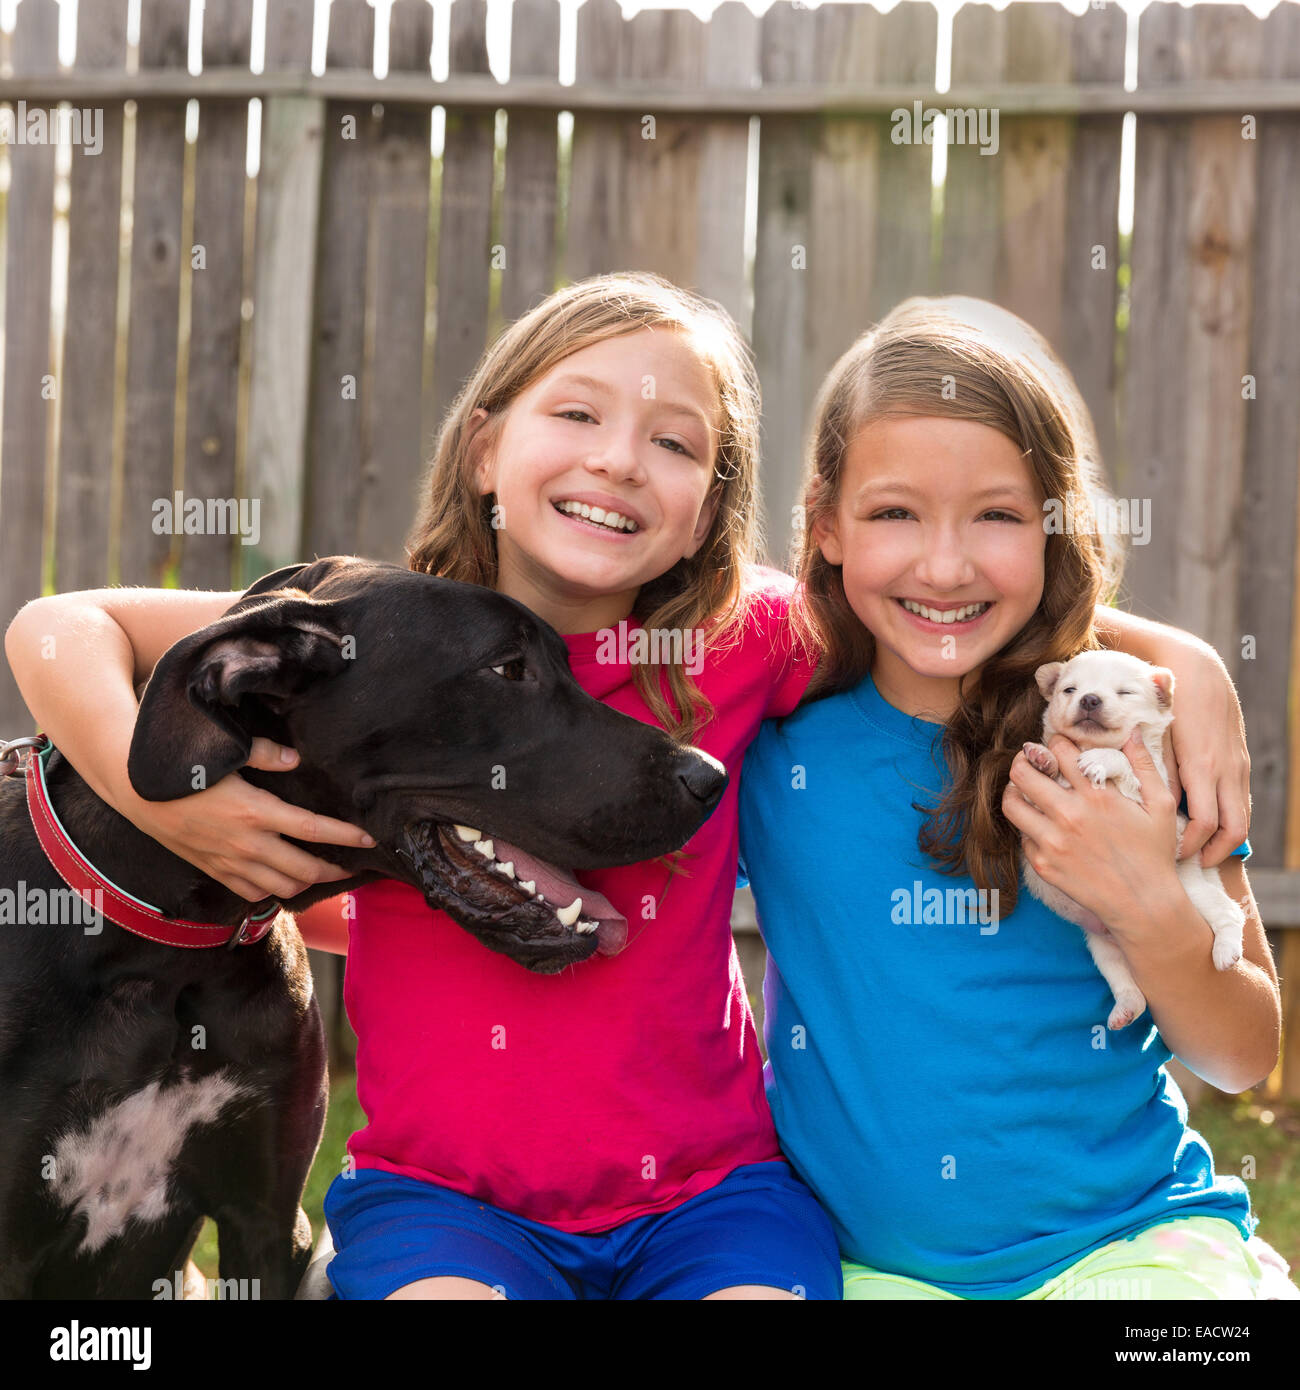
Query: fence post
288	192
27	401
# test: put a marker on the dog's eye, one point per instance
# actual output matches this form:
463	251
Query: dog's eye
516	670
1123	692
1069	690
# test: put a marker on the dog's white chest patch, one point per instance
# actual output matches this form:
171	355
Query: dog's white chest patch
116	1168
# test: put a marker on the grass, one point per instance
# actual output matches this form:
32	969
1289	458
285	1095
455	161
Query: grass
1246	1134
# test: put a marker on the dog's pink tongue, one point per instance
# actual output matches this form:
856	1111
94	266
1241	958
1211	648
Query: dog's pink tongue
558	886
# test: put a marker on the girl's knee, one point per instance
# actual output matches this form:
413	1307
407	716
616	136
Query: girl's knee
447	1286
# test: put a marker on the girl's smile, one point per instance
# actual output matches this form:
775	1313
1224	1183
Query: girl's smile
935	616
939	535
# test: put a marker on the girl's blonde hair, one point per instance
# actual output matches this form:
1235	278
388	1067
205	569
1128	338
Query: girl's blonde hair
453	535
966	359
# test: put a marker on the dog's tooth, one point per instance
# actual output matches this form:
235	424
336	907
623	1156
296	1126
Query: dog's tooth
506	867
467	832
587	926
569	915
485	848
528	885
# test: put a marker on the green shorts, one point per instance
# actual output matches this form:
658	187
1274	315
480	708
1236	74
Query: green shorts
1188	1257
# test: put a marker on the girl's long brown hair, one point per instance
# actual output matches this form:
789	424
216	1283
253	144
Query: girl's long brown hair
453	534
965	359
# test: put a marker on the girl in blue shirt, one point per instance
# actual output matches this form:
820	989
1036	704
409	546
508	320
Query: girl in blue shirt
940	1069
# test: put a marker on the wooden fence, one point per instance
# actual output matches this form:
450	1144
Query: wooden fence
295	338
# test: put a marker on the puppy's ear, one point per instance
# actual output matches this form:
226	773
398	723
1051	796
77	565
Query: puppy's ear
1163	680
192	715
1047	676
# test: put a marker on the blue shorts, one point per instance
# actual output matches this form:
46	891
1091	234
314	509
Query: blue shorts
759	1225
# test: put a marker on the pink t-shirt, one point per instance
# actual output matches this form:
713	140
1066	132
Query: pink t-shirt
624	1085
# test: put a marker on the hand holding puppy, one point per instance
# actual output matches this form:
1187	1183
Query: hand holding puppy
1108	853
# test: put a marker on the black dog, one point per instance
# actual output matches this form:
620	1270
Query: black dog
144	1086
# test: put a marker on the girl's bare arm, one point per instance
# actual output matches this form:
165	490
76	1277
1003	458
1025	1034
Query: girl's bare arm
78	658
1225	1025
1208	756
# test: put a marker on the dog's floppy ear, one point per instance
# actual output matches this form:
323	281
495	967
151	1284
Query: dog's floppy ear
1163	680
1047	675
305	575
190	717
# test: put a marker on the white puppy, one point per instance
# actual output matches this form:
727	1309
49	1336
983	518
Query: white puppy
1096	700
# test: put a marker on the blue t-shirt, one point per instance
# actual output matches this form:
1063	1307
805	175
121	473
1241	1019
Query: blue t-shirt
944	1080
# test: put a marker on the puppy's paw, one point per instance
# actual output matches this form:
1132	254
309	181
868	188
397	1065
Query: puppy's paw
1100	765
1226	953
1043	759
1128	1005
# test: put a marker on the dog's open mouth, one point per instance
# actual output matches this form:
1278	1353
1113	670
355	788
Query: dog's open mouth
530	910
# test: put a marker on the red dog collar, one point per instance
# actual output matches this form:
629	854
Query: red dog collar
126	911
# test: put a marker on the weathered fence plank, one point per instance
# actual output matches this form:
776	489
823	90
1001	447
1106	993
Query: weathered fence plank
1090	282
730	59
216	297
908	34
27	401
1225	43
528	209
596	195
288	192
154	325
89	378
465	218
785	157
972	198
399	240
335	450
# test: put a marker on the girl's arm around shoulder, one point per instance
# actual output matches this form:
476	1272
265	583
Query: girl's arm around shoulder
1210	760
232	830
118	634
769	596
151	620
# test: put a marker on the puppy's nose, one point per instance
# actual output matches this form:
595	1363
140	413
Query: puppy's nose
704	776
1088	703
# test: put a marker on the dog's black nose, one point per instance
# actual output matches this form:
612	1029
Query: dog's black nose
704	776
1089	703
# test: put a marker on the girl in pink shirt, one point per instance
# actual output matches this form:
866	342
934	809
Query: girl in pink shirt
603	1132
